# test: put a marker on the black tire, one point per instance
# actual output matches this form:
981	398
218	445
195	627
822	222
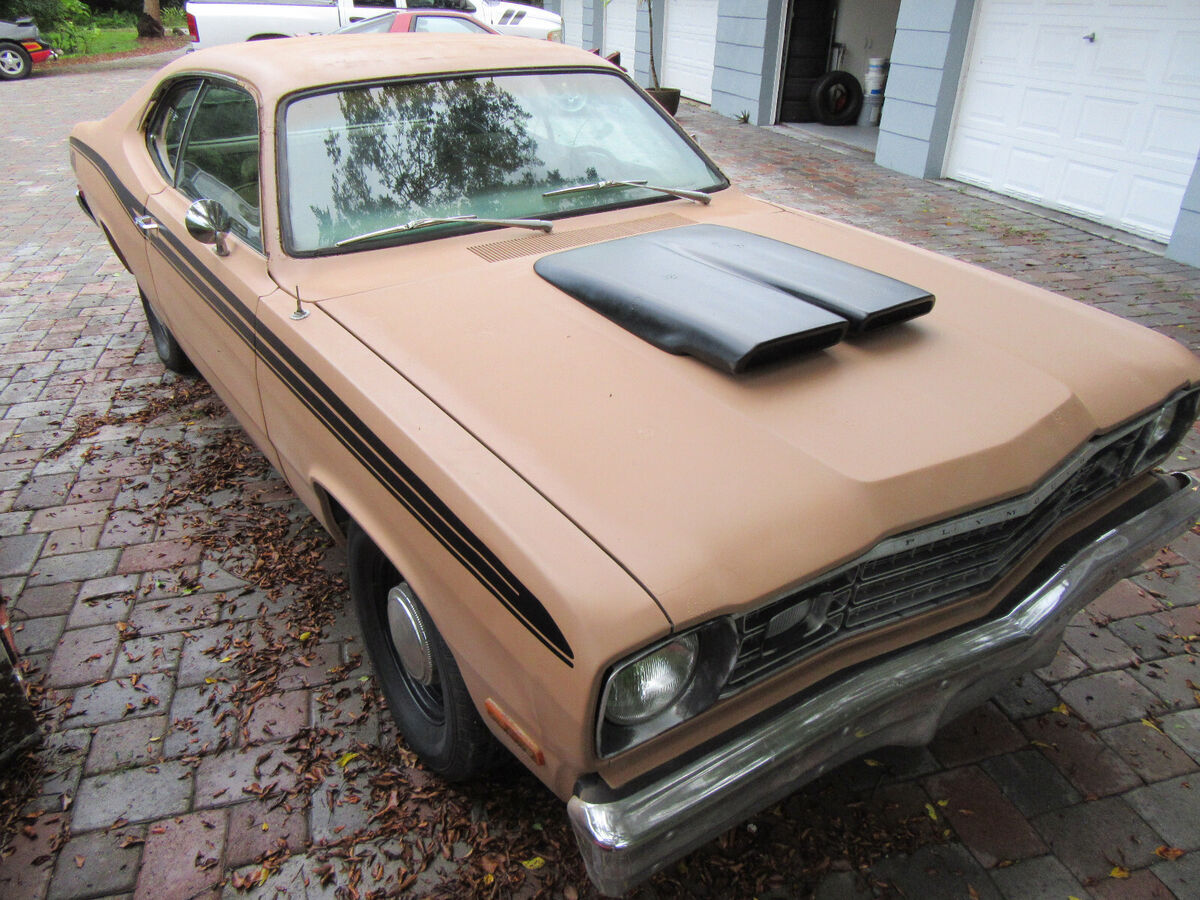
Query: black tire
795	111
796	106
15	62
438	720
165	345
836	98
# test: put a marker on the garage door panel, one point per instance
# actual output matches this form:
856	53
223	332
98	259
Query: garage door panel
1147	199
620	30
993	103
1105	123
1011	37
1042	113
1030	174
1124	55
1056	51
1182	70
1109	129
689	47
1135	7
1086	188
572	13
978	159
1173	135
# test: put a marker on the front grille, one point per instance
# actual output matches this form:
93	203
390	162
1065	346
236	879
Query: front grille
936	566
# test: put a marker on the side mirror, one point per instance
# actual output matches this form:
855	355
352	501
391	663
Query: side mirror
208	222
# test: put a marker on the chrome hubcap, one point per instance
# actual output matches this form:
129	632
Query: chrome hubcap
10	62
409	634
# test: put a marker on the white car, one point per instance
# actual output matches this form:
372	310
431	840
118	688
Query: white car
213	22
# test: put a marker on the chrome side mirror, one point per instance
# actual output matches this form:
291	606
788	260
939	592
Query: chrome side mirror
208	222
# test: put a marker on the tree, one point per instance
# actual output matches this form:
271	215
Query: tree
150	21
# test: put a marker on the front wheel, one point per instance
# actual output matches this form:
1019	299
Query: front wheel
15	62
415	669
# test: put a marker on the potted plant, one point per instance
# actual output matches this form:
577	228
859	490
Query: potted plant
668	98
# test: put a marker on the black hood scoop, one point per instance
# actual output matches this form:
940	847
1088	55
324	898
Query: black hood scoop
733	299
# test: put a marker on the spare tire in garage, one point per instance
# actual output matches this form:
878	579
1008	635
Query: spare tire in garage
836	98
796	106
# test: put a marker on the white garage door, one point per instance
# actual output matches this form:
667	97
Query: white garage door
620	30
689	43
572	14
1089	106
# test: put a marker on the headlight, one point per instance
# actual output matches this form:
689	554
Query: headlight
640	690
555	35
664	685
1164	430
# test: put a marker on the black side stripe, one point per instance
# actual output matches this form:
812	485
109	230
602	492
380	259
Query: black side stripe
383	463
366	446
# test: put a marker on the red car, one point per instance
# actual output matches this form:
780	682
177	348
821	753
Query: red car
419	20
20	47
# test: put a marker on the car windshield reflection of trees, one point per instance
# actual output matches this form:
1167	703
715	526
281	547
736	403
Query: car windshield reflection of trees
488	147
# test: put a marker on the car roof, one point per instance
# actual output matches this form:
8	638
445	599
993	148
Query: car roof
283	66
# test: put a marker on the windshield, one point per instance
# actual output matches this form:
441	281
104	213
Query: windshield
365	159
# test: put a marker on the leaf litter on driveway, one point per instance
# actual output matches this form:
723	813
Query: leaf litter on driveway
380	825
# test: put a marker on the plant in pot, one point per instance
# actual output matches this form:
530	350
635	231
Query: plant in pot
668	98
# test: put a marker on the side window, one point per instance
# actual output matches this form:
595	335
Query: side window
165	134
461	5
373	25
219	160
446	25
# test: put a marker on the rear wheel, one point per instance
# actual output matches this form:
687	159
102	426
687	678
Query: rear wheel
415	668
165	345
15	62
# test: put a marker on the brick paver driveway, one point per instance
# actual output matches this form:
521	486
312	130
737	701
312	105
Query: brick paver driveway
215	733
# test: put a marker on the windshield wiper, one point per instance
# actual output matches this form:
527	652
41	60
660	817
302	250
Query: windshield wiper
415	224
697	196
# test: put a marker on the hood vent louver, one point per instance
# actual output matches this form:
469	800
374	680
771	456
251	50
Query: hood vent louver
733	299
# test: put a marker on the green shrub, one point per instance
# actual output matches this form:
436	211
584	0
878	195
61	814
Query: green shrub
72	39
115	19
50	15
132	7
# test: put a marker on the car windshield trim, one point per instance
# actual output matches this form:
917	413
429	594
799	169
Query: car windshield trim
283	185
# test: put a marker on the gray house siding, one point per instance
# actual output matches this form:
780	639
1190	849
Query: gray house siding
1185	239
927	61
746	58
593	23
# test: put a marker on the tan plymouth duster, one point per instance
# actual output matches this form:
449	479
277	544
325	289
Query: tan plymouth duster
682	497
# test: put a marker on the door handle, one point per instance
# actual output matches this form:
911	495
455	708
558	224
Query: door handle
146	223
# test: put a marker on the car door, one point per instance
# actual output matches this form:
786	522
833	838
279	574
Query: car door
207	294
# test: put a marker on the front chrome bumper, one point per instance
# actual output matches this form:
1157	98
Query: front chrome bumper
902	699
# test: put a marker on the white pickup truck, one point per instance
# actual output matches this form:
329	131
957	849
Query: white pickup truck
213	22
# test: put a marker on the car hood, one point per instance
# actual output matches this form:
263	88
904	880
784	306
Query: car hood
717	490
